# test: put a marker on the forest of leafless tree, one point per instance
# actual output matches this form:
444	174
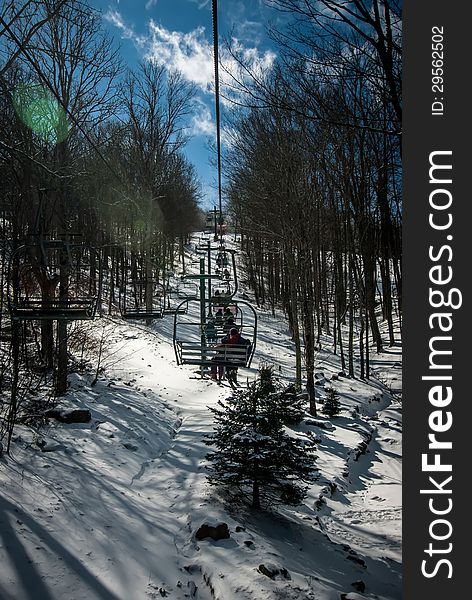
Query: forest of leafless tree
97	190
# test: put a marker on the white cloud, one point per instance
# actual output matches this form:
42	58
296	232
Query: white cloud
200	3
257	63
190	53
202	120
115	18
204	124
150	4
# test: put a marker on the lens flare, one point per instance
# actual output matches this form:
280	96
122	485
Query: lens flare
139	225
41	112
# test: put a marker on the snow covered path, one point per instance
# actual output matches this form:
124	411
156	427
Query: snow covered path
368	516
110	513
108	510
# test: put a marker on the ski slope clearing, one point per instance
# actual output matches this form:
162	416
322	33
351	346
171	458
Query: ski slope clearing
108	510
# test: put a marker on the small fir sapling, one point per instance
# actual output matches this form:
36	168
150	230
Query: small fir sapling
254	457
332	404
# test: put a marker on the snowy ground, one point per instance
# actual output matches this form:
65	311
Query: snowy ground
108	510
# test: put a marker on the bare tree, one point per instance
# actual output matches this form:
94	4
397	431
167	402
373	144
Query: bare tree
73	64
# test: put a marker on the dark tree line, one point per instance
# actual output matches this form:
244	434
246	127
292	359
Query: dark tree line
91	154
315	178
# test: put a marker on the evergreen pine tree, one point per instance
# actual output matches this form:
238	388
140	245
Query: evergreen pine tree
289	407
332	405
253	454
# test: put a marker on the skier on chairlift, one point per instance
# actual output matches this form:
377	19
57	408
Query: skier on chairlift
234	338
210	331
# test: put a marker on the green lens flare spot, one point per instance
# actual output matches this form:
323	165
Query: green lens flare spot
139	225
40	111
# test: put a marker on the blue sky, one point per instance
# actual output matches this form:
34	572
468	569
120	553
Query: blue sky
178	34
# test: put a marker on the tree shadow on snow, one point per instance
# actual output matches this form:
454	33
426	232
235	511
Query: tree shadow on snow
304	549
31	581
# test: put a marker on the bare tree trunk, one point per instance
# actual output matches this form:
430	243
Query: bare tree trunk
15	350
61	377
351	322
256	495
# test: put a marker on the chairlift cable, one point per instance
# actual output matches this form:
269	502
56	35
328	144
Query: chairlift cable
214	10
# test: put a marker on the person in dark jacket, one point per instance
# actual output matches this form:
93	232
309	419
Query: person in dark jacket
210	331
234	338
219	317
229	324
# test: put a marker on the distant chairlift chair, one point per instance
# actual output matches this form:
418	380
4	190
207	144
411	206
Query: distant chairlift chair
137	305
54	280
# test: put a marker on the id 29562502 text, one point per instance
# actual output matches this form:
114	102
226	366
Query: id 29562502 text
437	70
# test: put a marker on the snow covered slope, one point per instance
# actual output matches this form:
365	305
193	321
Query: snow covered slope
108	510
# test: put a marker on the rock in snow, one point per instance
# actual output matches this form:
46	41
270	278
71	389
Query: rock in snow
359	585
271	570
216	532
76	415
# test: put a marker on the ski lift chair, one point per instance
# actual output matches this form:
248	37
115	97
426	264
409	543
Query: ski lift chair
171	306
191	346
221	296
54	280
136	305
187	291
